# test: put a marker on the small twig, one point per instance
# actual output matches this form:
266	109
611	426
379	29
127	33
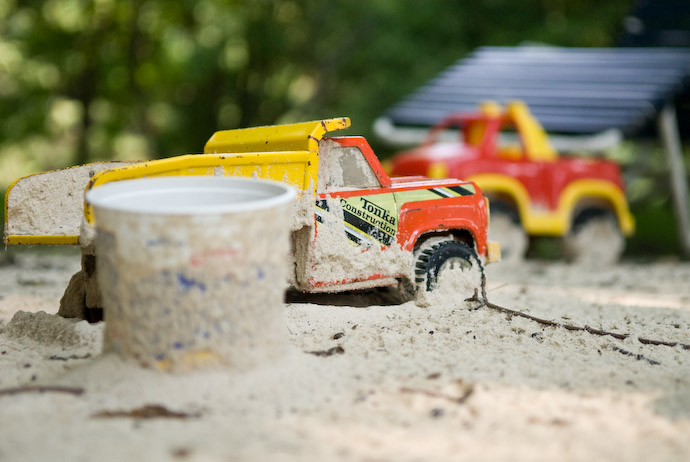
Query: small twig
592	330
545	322
636	356
149	411
485	302
458	400
42	389
330	352
65	358
647	341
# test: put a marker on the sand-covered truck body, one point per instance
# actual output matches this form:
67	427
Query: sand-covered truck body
353	226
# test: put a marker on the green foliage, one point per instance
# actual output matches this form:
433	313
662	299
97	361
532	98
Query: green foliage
646	173
656	233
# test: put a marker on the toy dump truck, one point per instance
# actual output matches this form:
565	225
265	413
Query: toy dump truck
353	226
533	191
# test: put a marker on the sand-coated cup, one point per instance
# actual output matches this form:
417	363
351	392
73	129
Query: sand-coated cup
192	269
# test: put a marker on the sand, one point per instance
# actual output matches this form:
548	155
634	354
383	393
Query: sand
51	203
454	381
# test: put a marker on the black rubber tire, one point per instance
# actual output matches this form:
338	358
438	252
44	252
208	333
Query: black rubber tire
595	238
587	215
430	260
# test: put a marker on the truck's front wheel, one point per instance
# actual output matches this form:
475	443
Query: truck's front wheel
595	238
448	269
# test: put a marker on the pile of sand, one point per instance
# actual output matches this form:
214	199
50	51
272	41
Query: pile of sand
454	381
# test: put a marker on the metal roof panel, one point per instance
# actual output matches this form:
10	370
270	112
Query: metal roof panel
570	90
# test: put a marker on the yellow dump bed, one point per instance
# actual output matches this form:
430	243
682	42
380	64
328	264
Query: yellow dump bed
287	153
303	136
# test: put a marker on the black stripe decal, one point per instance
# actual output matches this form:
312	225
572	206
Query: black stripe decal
321	207
368	229
351	236
460	190
451	191
438	193
323	204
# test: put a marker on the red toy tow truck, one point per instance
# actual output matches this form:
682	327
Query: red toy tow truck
532	190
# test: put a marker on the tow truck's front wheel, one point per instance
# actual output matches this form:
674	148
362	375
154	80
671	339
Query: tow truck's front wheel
448	269
595	238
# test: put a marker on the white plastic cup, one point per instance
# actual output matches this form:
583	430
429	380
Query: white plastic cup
192	269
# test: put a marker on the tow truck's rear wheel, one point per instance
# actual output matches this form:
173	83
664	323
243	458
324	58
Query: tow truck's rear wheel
505	228
448	269
595	238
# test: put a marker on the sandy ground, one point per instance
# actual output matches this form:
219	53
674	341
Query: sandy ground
455	381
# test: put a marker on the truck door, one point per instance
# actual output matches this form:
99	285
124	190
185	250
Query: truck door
356	222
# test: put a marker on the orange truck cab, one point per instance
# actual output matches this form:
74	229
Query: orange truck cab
365	229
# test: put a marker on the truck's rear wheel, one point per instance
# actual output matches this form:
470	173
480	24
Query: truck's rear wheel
505	228
595	238
447	267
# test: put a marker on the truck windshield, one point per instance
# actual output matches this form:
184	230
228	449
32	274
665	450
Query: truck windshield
345	167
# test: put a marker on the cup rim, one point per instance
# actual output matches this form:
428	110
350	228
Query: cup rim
130	195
